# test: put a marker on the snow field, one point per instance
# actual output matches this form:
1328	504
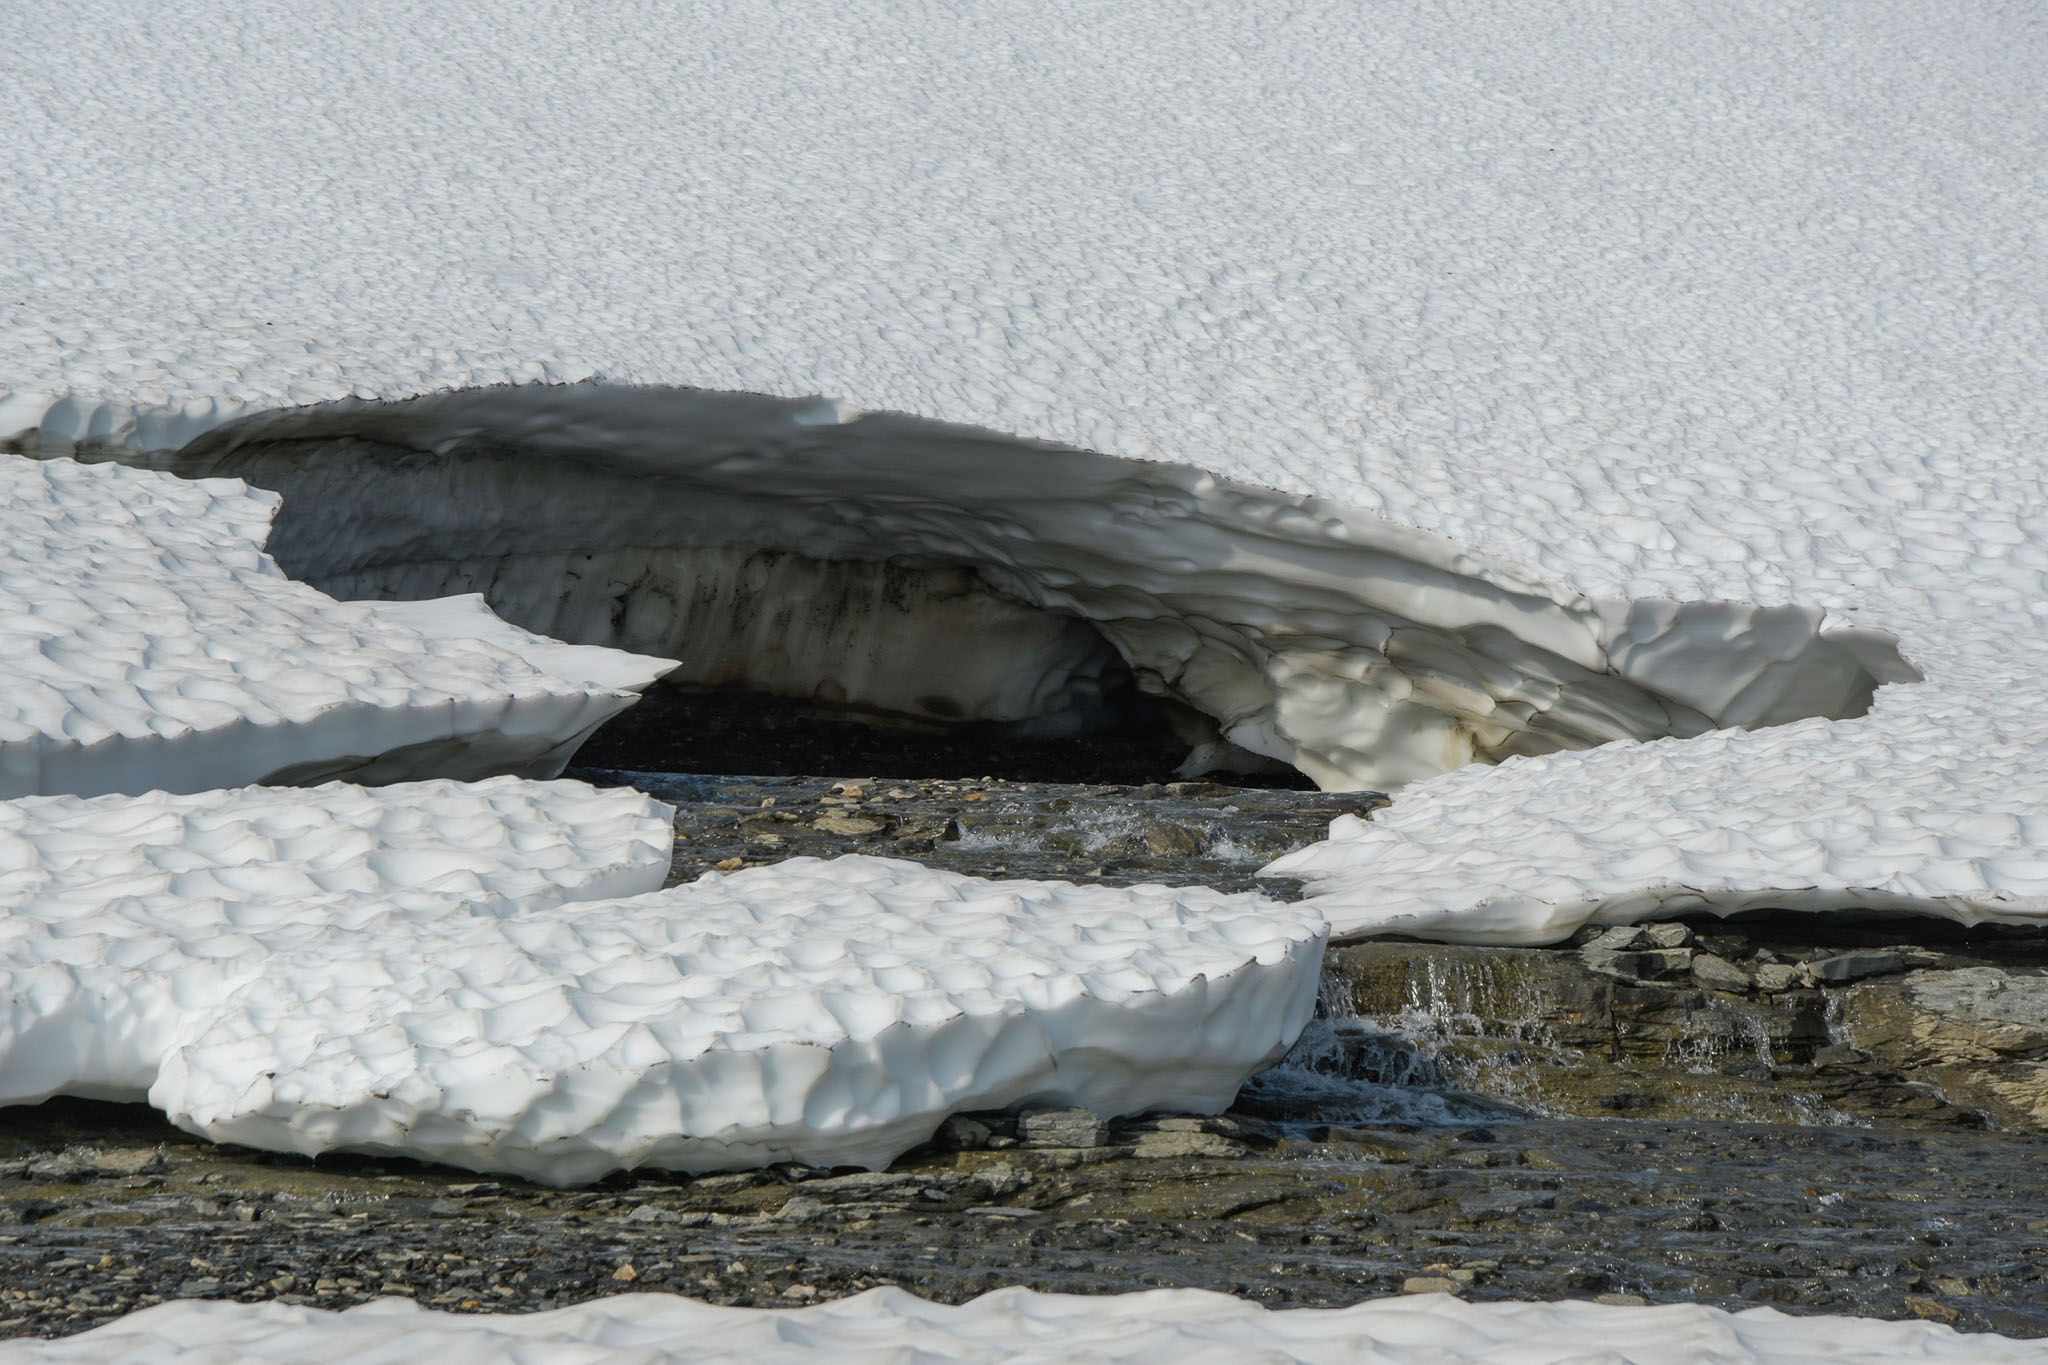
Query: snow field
1012	1327
122	918
1700	335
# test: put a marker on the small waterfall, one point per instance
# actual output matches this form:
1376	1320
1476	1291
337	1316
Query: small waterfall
1346	1069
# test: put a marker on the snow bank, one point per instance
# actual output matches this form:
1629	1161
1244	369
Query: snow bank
474	974
1017	1325
831	1013
147	642
1640	306
1943	820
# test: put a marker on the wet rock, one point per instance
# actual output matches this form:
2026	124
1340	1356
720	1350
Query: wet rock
1534	1209
1430	1284
1062	1128
1779	976
1574	1032
1719	974
803	1209
1635	938
1170	1146
1647	964
1185	833
1173	841
1977	1033
962	1134
849	824
650	1214
1855	966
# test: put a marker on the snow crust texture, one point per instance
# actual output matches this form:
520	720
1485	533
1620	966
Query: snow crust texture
478	974
826	1012
1800	818
124	921
1657	306
1011	1327
147	642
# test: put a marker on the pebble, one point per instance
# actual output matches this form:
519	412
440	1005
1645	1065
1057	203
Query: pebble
1430	1284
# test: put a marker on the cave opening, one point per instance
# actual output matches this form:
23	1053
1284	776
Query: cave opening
676	728
876	591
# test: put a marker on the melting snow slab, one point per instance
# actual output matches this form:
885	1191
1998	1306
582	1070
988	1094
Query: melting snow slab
124	918
829	1012
1016	1326
481	974
147	642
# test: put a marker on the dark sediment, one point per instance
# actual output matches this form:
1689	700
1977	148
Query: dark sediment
682	730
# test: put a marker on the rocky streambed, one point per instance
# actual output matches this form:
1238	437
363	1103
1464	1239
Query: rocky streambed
1832	1114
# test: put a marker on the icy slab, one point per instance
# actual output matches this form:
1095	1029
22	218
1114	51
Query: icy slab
1664	311
147	642
123	920
484	975
1802	818
1012	1327
828	1012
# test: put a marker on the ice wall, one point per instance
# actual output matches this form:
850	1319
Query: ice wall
1365	653
932	645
